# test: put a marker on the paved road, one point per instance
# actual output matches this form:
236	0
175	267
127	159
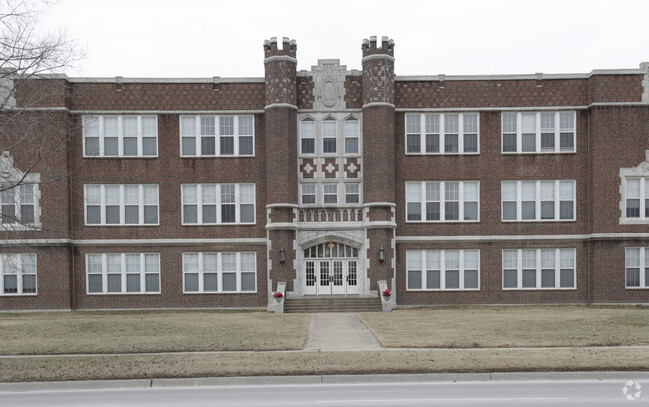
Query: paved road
498	393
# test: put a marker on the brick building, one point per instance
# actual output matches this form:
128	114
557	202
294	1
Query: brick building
173	193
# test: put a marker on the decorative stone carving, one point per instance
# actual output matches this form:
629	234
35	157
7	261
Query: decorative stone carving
329	85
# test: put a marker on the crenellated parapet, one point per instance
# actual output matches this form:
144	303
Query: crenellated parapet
378	71
281	76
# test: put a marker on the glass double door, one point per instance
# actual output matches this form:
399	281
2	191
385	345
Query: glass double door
331	277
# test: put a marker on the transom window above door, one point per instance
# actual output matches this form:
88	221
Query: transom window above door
329	250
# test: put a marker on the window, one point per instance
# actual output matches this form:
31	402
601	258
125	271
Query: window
352	193
329	136
121	204
538	200
123	273
443	269
330	194
539	269
120	136
219	272
636	198
443	201
308	194
212	136
351	135
442	133
18	274
307	136
538	132
637	267
213	204
19	205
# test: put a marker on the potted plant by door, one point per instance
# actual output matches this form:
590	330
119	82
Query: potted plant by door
278	296
387	293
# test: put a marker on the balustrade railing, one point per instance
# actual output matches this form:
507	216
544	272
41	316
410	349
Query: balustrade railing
330	215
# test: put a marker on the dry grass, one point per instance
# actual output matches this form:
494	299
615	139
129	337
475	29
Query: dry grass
149	331
525	326
320	363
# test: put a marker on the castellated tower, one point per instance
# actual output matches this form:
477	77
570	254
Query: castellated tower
281	157
379	155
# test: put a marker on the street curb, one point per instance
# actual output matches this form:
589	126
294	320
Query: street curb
318	379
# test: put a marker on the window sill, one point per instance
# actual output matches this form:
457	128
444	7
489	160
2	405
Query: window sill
219	292
216	156
437	290
114	225
443	154
14	295
122	294
219	224
541	289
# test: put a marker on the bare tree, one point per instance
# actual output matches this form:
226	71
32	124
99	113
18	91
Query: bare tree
29	60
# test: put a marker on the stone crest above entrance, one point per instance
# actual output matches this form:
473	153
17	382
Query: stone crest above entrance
329	85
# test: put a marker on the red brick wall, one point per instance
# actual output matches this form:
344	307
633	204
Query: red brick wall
171	280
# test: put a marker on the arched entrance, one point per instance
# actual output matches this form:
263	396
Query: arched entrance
331	269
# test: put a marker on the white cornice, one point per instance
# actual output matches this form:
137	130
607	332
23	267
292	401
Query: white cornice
278	105
280	58
506	238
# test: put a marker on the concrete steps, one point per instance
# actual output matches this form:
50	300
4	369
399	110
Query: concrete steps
332	304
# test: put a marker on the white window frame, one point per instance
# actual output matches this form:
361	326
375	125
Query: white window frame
120	136
346	137
318	122
219	272
538	269
217	135
237	204
537	200
122	205
423	117
538	150
642	175
423	255
16	201
123	274
18	259
442	208
313	123
643	266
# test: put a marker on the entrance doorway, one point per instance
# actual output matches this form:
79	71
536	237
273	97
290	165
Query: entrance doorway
331	269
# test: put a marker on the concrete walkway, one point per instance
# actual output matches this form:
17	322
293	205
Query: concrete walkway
339	331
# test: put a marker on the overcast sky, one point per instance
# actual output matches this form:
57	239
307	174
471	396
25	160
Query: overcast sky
205	38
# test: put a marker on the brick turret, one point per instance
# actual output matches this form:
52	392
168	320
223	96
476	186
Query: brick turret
379	155
281	157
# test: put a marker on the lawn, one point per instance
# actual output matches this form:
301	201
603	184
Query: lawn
149	331
510	326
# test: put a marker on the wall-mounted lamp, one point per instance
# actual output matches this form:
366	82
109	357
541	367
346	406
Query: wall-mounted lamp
381	254
282	256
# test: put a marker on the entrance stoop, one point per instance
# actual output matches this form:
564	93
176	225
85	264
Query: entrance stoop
332	304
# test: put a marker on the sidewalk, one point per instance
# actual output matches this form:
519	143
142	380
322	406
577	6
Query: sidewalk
339	331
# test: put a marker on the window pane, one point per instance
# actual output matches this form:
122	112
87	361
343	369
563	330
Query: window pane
566	209
150	214
207	126
528	210
247	213
432	143
413	142
471	279
470	191
414	279
149	126
227	145
509	210
229	282
450	143
208	145
470	143
94	283
451	124
452	279
130	146
188	126
351	145
470	211
547	278
414	260
510	279
191	282
92	146
529	278
228	214
210	282
226	125
509	191
509	123
308	146
190	213
133	283
10	284
110	126
510	259
247	281
433	279
189	145
567	279
151	263
246	125
413	123
509	142
112	215
29	284
528	142
432	210
152	282
452	211
131	214
110	146
114	283
329	145
209	213
245	145
452	259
